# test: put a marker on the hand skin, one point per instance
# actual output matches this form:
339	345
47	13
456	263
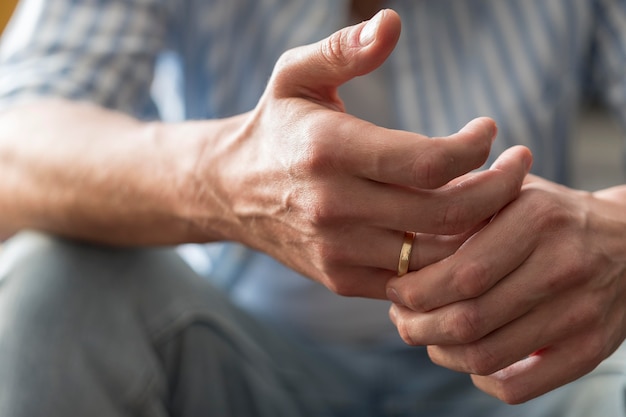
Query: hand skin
321	191
532	301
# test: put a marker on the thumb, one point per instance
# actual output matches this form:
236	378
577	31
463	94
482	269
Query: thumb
315	71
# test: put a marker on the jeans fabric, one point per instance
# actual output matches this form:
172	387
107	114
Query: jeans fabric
104	332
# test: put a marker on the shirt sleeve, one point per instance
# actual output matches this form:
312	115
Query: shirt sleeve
609	56
103	51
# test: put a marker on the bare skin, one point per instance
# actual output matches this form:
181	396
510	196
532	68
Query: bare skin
532	301
325	193
520	284
532	298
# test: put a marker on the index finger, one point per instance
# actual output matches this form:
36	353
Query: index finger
413	160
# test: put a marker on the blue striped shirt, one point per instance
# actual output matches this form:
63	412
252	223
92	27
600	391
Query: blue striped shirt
529	64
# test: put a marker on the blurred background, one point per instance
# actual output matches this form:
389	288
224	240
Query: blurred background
598	158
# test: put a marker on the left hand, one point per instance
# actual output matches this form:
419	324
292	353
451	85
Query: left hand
532	301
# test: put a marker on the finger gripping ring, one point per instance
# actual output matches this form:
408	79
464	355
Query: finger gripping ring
405	253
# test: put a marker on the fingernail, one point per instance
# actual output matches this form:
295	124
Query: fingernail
393	296
368	32
494	131
393	313
528	162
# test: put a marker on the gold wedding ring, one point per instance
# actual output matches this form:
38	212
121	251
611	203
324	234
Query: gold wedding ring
405	253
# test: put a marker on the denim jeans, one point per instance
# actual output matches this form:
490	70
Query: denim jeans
104	332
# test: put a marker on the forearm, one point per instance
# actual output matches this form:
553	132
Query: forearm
615	194
81	171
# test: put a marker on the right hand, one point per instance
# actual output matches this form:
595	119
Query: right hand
330	195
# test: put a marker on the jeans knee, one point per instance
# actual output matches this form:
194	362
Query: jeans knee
46	279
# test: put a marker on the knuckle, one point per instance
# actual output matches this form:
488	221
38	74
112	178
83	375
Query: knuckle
428	170
415	301
321	214
548	213
452	218
577	318
512	394
284	60
572	272
507	388
283	67
405	330
456	213
577	266
480	360
462	325
594	350
316	154
553	217
321	209
342	285
594	311
470	279
332	50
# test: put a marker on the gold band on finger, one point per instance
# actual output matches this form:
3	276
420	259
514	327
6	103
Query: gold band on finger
405	253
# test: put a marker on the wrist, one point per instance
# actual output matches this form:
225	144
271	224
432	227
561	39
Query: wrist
194	154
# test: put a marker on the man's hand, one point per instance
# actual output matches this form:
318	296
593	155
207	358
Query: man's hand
532	301
321	191
331	195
